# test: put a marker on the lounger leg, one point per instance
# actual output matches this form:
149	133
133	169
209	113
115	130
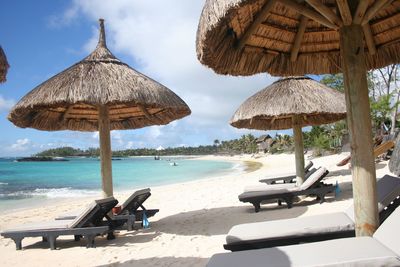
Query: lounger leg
52	241
44	238
110	236
18	243
289	202
77	237
131	223
90	241
257	206
321	198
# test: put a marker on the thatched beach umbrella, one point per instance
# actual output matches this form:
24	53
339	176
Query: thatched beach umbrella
288	37
99	93
293	102
3	66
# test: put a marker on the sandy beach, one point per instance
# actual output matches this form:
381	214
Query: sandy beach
191	226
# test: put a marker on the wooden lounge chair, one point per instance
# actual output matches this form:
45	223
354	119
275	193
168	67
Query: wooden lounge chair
267	187
312	186
289	177
132	206
311	228
382	249
379	150
88	224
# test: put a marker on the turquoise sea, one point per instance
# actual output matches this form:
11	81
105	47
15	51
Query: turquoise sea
27	183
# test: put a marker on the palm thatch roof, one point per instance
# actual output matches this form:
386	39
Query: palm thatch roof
70	99
286	37
273	107
3	66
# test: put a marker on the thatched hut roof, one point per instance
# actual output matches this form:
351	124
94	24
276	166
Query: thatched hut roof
273	107
244	37
3	66
263	138
70	99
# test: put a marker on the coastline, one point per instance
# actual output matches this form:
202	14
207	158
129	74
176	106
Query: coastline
193	221
51	196
250	164
245	166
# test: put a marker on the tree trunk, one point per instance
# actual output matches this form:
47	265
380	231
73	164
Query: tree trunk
359	123
298	149
393	116
105	151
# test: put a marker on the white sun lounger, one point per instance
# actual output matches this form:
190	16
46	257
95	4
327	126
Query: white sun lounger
382	249
289	177
267	193
310	228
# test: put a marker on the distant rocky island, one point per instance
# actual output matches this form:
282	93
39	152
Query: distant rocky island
41	159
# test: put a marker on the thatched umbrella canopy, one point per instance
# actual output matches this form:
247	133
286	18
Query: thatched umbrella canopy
273	107
3	66
293	102
288	37
99	93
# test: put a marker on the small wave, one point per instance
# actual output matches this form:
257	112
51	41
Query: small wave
49	193
3	183
239	167
62	192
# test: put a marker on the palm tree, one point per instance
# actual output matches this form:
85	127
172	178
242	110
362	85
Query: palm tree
216	142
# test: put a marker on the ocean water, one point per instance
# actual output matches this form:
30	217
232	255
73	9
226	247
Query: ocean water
27	183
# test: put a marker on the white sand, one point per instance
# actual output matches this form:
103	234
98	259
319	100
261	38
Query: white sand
191	226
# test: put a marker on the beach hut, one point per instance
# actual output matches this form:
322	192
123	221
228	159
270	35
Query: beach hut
264	143
292	102
286	37
99	93
3	66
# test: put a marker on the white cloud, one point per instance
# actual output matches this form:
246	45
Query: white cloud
6	104
21	145
95	135
65	19
130	145
159	36
117	136
26	147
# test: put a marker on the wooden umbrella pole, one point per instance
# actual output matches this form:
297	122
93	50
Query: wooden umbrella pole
360	129
298	148
105	151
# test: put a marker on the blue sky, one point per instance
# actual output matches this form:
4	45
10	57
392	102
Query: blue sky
42	38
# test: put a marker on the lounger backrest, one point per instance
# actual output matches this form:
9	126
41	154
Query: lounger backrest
308	165
94	213
388	188
313	179
388	232
309	173
135	200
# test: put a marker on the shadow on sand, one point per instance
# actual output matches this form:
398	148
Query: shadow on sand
218	221
215	221
161	261
271	257
343	172
123	239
